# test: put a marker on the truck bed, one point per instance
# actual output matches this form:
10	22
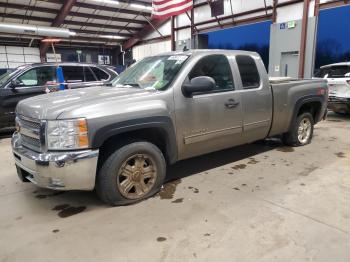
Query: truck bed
286	92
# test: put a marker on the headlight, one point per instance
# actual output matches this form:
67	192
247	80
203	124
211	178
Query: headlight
67	134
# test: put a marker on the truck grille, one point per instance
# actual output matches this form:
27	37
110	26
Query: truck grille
30	132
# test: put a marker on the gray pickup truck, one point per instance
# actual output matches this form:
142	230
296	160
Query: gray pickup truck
119	140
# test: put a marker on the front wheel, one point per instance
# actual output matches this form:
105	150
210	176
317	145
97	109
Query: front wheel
301	131
133	172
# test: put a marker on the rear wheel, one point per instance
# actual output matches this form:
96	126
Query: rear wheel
301	131
132	173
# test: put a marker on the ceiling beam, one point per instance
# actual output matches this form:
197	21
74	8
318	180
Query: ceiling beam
120	1
64	11
103	17
240	22
29	7
70	22
92	32
334	3
76	14
57	22
112	9
81	39
143	33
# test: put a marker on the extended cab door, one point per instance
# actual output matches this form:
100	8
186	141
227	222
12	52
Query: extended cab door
30	83
209	121
256	98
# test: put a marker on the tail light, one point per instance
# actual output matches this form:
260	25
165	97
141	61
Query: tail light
322	91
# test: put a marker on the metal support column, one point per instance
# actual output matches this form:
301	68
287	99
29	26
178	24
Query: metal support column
274	11
303	38
172	36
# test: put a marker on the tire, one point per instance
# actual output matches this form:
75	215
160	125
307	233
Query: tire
293	138
119	180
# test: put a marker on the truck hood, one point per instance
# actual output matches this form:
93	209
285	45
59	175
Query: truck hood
51	106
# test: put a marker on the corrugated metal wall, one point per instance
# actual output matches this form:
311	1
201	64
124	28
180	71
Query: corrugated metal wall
14	56
142	51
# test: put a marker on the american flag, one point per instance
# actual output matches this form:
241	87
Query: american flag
165	8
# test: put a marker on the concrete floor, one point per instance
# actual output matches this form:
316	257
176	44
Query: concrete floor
259	202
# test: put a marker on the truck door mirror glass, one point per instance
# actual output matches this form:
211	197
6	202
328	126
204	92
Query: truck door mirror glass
197	85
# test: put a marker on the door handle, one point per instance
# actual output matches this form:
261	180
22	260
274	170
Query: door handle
231	103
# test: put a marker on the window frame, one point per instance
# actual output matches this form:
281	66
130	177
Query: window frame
216	90
98	68
24	72
251	87
92	73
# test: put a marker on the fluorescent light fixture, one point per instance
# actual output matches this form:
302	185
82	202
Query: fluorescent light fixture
137	6
72	33
107	2
25	29
111	36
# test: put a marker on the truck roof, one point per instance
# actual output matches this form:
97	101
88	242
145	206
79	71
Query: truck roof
209	51
336	64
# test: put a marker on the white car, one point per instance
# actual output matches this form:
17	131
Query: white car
338	77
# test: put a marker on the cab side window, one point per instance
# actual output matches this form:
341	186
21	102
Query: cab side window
216	67
38	76
248	71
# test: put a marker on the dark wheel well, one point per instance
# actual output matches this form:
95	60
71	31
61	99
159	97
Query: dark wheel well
314	108
156	136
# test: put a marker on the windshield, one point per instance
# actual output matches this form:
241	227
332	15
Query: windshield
334	72
7	76
152	72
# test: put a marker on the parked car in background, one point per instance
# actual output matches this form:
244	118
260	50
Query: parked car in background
338	77
30	80
161	110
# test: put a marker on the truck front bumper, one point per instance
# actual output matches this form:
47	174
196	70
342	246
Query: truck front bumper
70	170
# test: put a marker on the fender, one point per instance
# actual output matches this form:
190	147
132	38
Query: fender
307	99
163	123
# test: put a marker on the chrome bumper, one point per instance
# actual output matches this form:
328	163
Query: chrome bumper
71	170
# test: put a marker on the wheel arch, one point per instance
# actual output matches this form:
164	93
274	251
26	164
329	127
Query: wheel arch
157	130
312	104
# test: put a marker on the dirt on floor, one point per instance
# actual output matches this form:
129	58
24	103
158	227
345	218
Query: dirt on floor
258	202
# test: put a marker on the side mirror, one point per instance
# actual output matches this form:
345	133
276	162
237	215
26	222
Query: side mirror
16	83
198	84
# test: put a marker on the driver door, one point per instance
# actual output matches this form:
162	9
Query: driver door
30	83
209	121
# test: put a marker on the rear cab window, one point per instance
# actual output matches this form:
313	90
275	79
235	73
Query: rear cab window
248	71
